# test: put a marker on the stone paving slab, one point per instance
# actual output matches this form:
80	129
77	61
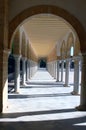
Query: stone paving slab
40	107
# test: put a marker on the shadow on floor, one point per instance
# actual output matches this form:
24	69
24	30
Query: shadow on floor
44	83
15	115
41	86
22	96
60	124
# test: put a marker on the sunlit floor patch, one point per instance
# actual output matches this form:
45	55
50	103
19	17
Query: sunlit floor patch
80	124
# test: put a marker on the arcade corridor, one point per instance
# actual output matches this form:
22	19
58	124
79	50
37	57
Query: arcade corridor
42	64
43	104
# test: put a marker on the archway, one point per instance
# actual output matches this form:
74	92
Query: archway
11	69
52	10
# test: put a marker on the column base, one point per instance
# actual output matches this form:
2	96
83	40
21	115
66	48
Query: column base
65	85
27	79
57	81
16	92
4	109
74	93
81	108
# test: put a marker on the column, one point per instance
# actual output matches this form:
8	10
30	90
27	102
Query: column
17	73
30	65
52	68
3	54
3	80
82	106
55	69
58	71
76	76
30	68
62	69
67	73
27	70
23	70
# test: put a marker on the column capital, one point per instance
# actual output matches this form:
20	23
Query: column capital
77	57
17	56
84	54
7	51
69	59
58	60
28	60
62	60
24	58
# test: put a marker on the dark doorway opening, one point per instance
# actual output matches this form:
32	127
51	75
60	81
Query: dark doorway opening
42	63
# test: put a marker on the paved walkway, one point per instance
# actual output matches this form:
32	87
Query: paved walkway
43	104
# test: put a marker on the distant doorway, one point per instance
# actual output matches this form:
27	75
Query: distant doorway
42	63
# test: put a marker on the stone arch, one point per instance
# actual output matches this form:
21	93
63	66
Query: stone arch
16	43
77	50
63	50
52	10
23	45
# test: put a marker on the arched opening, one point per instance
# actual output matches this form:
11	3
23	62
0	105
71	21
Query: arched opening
51	62
50	66
11	70
71	51
52	10
71	55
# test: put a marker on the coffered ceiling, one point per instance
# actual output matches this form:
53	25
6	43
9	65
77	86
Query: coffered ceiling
44	31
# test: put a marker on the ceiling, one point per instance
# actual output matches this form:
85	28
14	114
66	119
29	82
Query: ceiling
44	31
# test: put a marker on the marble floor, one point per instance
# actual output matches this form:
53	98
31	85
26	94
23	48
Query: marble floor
43	104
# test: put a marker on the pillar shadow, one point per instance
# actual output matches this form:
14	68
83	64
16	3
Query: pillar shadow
15	115
22	96
14	121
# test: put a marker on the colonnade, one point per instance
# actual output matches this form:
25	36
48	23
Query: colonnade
54	69
29	68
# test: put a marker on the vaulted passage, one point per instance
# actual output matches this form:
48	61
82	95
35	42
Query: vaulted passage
46	41
42	64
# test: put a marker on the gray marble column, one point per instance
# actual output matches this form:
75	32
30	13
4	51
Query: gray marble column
27	70
51	68
76	76
23	71
62	69
82	106
17	73
58	70
55	69
67	73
